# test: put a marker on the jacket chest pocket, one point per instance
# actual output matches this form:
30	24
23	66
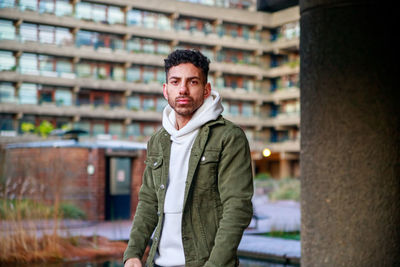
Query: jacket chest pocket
155	164
207	170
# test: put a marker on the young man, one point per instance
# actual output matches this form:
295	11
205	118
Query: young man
195	200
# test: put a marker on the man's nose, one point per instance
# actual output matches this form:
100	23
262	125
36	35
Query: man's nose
183	89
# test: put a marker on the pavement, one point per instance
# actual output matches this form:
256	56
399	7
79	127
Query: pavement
278	216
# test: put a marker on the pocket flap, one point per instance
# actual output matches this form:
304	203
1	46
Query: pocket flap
154	162
209	156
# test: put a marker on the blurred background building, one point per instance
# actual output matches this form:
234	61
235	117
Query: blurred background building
98	66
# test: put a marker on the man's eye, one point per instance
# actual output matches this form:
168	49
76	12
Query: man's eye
194	82
174	82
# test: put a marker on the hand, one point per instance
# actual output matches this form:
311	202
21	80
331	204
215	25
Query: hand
133	262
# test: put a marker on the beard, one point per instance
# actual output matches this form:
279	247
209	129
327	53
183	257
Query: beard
186	109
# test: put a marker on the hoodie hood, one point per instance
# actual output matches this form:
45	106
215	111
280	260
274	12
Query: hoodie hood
210	110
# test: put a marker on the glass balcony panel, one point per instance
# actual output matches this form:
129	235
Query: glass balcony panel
84	38
134	45
133	130
82	125
115	15
45	95
164	22
63	8
46	34
247	110
99	13
133	74
63	66
28	5
63	36
118	74
28	32
133	103
148	130
63	97
148	75
83	11
161	76
46	6
28	64
7	93
83	70
46	63
161	103
7	30
27	94
7	3
149	20
148	104
134	17
234	109
7	60
98	129
115	129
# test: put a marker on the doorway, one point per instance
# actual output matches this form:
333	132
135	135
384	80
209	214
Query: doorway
118	188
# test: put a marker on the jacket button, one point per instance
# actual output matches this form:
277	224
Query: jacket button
203	158
158	213
162	186
155	164
156	239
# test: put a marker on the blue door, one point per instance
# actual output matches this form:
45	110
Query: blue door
118	197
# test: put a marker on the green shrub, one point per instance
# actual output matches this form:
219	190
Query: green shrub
71	211
280	189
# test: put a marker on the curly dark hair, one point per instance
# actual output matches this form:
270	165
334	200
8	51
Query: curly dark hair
180	56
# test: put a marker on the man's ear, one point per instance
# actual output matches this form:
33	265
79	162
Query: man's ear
207	90
165	91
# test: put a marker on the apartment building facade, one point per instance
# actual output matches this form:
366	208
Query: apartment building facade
98	66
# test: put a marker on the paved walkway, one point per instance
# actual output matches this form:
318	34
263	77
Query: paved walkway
284	215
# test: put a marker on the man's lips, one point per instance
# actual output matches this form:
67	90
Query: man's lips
183	100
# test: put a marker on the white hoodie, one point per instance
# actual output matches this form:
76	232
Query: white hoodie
170	251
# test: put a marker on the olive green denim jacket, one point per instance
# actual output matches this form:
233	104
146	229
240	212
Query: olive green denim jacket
217	201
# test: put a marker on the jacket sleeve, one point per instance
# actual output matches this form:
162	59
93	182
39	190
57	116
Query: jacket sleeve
235	185
145	219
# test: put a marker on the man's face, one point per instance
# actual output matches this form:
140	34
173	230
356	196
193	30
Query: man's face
186	89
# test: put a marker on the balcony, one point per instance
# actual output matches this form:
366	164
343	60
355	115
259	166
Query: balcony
292	146
86	111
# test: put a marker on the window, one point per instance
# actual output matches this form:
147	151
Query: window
134	45
148	75
63	36
6	123
28	93
82	125
115	129
28	5
46	6
148	104
63	8
148	130
28	32
7	30
234	109
118	73
7	60
133	102
45	94
7	93
29	63
98	128
161	103
247	110
99	12
133	130
84	11
83	70
149	19
7	3
84	38
164	22
63	66
63	97
115	15
134	17
133	74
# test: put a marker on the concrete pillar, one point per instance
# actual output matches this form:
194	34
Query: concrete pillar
284	167
350	133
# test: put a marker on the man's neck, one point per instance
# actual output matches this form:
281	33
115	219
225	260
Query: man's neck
181	121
